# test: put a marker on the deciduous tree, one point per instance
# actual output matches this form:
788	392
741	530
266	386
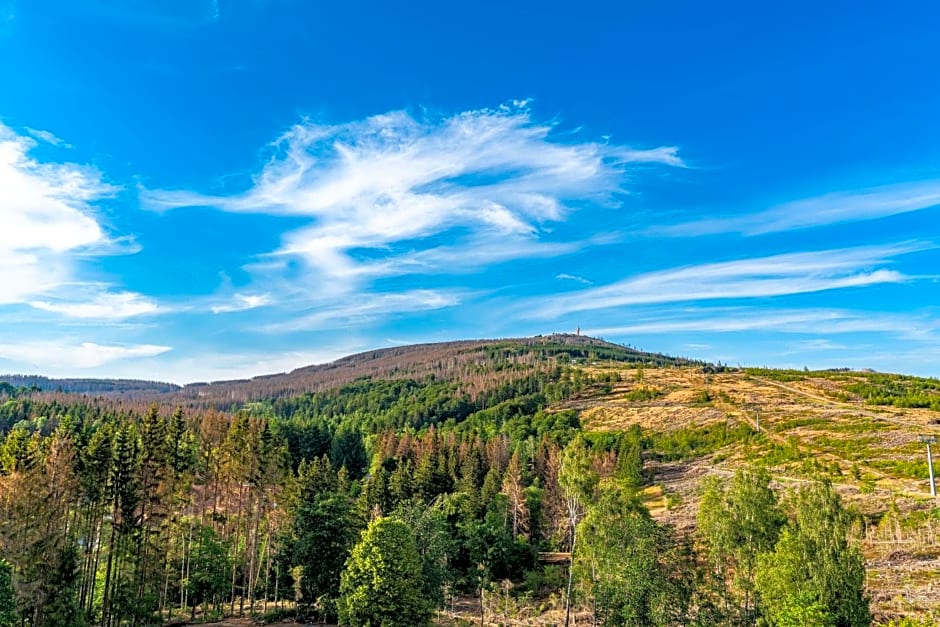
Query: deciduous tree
382	583
814	568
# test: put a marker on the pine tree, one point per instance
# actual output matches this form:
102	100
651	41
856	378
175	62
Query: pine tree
325	530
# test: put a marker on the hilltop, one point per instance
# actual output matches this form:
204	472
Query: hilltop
476	363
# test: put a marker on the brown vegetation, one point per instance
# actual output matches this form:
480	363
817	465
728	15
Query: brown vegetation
810	427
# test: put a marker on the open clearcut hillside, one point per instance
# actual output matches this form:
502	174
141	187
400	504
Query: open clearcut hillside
860	430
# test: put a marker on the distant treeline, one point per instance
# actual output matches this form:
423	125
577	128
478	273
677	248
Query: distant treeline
85	386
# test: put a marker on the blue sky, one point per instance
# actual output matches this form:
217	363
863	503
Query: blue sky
195	190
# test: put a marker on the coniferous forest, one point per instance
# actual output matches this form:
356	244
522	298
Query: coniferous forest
396	500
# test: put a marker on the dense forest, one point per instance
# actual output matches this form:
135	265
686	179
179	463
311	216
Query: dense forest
9	382
385	499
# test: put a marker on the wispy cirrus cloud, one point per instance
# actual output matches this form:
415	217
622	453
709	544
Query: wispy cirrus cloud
241	302
101	305
53	355
834	208
47	137
564	276
384	194
368	307
812	321
777	275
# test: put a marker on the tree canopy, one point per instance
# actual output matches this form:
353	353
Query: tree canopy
382	583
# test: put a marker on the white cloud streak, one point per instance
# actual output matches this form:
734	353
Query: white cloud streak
242	302
368	307
789	321
384	193
48	137
834	208
101	306
47	218
571	277
777	275
47	356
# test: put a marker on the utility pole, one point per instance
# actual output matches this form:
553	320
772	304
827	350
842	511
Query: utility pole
928	440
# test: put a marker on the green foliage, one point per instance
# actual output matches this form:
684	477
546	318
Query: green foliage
306	438
15	452
222	509
776	454
789	376
348	451
627	564
435	546
277	615
62	609
209	567
577	477
8	617
643	394
382	584
702	397
814	570
898	391
629	469
324	530
691	442
738	522
801	610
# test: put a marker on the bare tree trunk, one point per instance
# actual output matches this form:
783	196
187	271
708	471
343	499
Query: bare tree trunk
106	602
238	518
570	578
99	526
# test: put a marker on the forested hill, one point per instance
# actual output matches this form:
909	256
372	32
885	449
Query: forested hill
87	386
477	364
478	471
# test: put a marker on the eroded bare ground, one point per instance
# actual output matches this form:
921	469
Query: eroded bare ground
501	609
871	454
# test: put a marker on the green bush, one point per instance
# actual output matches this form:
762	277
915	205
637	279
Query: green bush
382	584
643	394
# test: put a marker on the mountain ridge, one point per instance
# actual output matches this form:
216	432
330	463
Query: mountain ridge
449	359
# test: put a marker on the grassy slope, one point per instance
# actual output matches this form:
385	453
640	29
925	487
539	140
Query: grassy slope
812	424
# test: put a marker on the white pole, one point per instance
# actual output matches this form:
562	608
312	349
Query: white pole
933	484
